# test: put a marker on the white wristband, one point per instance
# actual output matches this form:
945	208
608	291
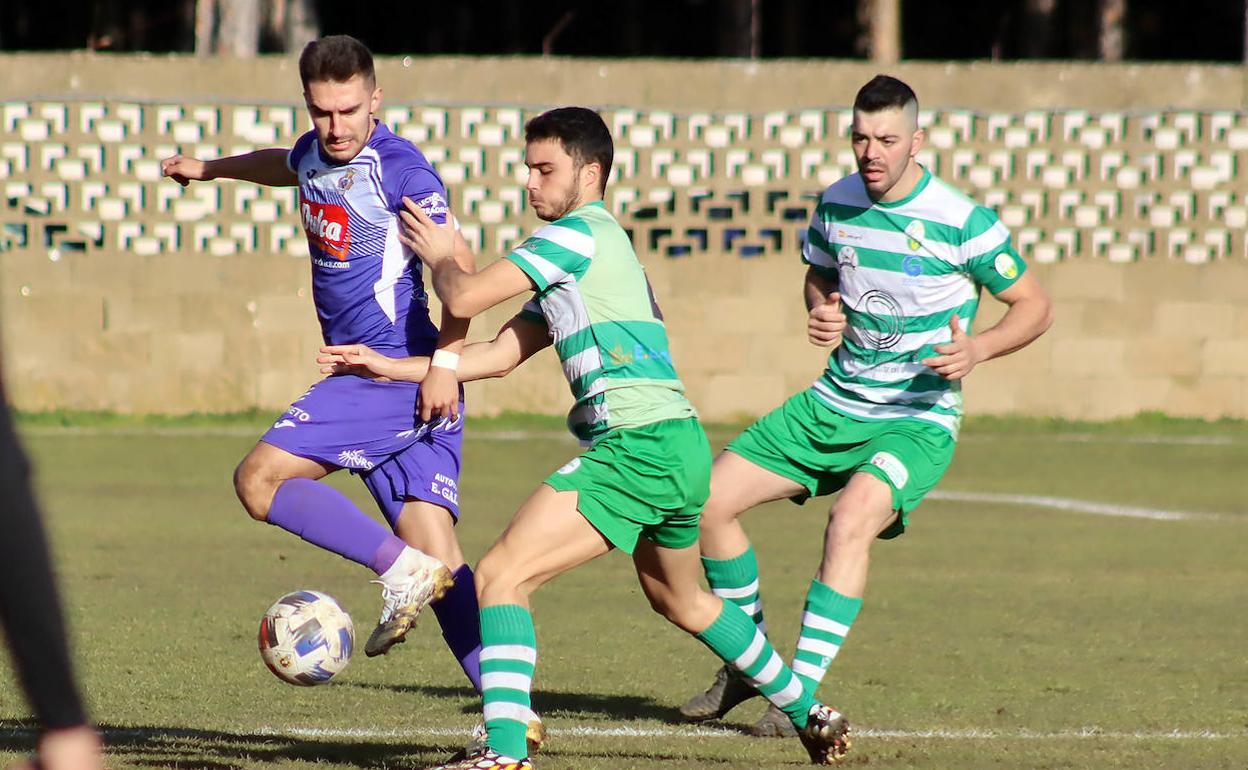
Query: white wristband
445	359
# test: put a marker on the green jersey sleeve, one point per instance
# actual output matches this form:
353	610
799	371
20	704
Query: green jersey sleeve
816	251
988	256
560	249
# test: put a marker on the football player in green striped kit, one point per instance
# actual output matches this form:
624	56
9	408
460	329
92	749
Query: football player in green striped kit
640	486
896	260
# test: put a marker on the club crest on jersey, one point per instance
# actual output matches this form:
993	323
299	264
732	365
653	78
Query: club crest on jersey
347	180
916	232
847	258
326	226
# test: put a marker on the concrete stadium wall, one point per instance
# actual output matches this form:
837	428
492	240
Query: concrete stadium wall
193	331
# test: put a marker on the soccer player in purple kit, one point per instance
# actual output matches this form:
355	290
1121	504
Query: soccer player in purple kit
404	440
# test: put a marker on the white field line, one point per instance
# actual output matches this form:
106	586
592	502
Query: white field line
971	734
588	731
1074	506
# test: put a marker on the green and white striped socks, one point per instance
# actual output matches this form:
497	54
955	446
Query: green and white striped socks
508	657
736	639
825	623
736	580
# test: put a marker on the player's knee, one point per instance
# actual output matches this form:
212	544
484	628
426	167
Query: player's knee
252	490
719	511
852	526
497	579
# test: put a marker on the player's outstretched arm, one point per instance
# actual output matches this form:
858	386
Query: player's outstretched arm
267	167
514	344
1029	315
463	294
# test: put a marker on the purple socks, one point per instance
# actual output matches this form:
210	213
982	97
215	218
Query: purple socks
461	623
323	516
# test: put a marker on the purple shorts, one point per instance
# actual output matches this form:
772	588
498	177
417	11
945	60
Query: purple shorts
372	429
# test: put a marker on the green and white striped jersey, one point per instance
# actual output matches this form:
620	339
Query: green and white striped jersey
593	296
904	269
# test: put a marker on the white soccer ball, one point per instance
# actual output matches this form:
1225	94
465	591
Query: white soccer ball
306	638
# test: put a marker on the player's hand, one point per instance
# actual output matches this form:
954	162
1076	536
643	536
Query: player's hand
360	360
439	394
184	170
825	324
958	357
73	748
431	241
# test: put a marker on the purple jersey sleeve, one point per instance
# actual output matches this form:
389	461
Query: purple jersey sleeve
302	145
408	173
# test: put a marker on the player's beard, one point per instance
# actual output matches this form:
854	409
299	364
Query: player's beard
571	201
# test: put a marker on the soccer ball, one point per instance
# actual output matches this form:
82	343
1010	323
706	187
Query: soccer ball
306	638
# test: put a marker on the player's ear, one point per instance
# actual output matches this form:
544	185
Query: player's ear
374	103
593	175
916	143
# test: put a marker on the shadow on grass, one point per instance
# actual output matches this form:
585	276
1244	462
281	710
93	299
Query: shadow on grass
195	749
585	705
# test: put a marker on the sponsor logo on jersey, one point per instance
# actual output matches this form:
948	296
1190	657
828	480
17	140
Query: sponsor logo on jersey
326	226
570	466
1004	265
354	458
890	323
848	236
432	204
444	487
912	266
916	232
892	467
284	424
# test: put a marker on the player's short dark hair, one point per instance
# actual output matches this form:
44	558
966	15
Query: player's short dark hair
582	134
336	59
884	92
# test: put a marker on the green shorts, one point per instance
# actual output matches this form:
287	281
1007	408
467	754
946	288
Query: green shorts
809	442
651	481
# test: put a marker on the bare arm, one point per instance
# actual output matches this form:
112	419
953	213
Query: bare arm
1029	315
267	167
816	287
825	323
440	395
464	294
514	344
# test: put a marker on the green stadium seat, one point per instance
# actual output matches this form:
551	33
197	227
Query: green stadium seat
1120	252
1101	239
17	155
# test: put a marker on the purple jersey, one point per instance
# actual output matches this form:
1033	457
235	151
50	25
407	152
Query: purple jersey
366	284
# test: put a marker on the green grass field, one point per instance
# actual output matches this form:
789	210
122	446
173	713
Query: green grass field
995	634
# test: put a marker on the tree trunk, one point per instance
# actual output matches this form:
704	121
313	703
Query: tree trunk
205	26
880	21
302	25
1110	43
239	32
1037	37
